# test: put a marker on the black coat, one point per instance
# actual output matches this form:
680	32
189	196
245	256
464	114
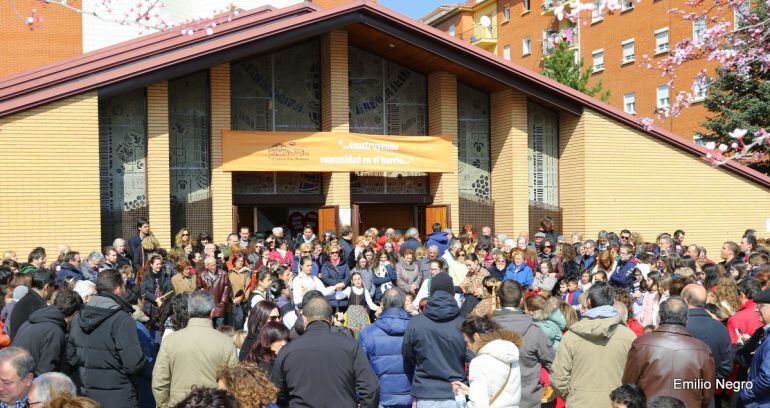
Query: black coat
434	348
135	252
321	369
23	310
45	337
68	270
104	348
704	328
151	281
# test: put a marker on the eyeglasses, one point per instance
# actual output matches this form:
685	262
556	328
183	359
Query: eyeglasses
625	237
547	246
460	254
306	252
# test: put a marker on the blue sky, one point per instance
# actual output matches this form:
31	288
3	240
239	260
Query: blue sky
414	8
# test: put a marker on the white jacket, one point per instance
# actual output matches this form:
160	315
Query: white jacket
489	370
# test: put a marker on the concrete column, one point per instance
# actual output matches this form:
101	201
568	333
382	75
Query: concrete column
510	169
334	108
221	181
158	173
442	117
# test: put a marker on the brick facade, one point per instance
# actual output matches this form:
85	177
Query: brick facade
221	181
158	174
442	120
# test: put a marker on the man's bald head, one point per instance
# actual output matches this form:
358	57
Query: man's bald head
694	295
317	309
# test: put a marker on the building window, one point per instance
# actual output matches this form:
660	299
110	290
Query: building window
698	28
627	5
452	30
662	96
629	103
742	11
543	154
526	5
189	124
526	46
474	156
598	56
507	52
661	40
699	88
597	12
628	51
123	163
507	13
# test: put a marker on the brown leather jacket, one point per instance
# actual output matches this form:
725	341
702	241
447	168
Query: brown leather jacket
219	288
663	361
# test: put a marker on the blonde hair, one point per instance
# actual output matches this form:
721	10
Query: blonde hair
239	337
248	383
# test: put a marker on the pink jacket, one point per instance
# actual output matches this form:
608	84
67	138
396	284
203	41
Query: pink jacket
288	259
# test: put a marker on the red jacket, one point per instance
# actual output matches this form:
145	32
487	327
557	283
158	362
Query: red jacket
746	320
635	326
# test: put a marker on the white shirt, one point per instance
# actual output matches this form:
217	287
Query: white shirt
304	283
359	292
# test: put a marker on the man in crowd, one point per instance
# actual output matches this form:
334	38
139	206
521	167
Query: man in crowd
104	347
588	258
232	246
623	276
307	237
48	386
758	394
44	335
383	341
438	238
69	267
90	267
110	258
412	241
423	264
434	348
745	321
191	356
729	254
323	369
43	285
135	244
35	260
536	353
346	240
16	366
593	348
658	360
215	281
120	246
707	329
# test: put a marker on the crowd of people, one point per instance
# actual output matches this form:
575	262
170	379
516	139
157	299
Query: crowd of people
388	319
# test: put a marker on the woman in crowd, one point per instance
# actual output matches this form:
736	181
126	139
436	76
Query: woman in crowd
174	315
457	268
359	304
183	239
650	300
569	264
249	384
488	303
500	266
263	258
282	253
518	270
262	279
156	285
726	296
384	271
240	286
305	281
184	281
335	273
259	315
409	278
363	268
605	262
318	255
494	375
272	337
473	284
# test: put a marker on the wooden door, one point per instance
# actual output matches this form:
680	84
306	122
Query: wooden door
327	219
355	219
236	218
436	214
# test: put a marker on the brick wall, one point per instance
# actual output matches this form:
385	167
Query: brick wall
572	172
49	161
334	107
442	120
158	177
221	181
57	37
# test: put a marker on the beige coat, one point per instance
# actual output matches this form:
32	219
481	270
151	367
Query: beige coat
182	285
188	357
590	361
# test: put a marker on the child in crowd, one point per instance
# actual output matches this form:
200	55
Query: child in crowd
571	297
547	315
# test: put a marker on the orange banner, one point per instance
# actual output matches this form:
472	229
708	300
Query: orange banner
334	151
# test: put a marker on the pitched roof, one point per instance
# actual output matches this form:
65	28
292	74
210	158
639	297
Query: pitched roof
152	54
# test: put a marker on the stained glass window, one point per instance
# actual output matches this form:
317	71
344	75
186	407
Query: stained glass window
543	155
123	163
474	161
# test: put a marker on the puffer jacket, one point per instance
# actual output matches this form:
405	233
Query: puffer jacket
152	284
758	395
408	274
536	353
45	337
332	275
495	372
383	341
551	321
104	348
522	274
593	348
434	349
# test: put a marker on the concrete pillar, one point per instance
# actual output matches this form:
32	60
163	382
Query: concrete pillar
442	120
510	169
221	181
158	173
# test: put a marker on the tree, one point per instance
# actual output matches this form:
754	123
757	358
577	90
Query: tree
561	67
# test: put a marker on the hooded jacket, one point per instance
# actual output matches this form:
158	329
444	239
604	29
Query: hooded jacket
45	337
434	349
24	308
67	269
623	275
383	341
551	321
495	372
104	348
438	239
536	353
593	348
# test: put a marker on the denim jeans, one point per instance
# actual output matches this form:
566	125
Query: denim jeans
438	404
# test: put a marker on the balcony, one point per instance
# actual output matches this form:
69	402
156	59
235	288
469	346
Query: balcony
548	6
567	35
484	37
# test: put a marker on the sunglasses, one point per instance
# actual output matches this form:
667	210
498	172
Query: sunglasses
306	252
185	235
275	318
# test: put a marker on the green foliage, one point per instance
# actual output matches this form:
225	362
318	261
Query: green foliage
561	67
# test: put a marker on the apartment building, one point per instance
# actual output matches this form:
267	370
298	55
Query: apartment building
613	45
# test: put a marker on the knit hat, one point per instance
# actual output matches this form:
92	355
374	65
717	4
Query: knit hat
443	282
19	292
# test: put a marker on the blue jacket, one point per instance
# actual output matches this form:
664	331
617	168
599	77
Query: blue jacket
295	267
759	375
410	243
438	239
68	270
330	276
391	277
623	275
434	349
144	380
523	274
383	341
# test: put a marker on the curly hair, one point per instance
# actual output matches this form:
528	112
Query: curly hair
249	384
727	295
204	397
70	401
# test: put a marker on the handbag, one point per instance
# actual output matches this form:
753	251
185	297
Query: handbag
492	401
